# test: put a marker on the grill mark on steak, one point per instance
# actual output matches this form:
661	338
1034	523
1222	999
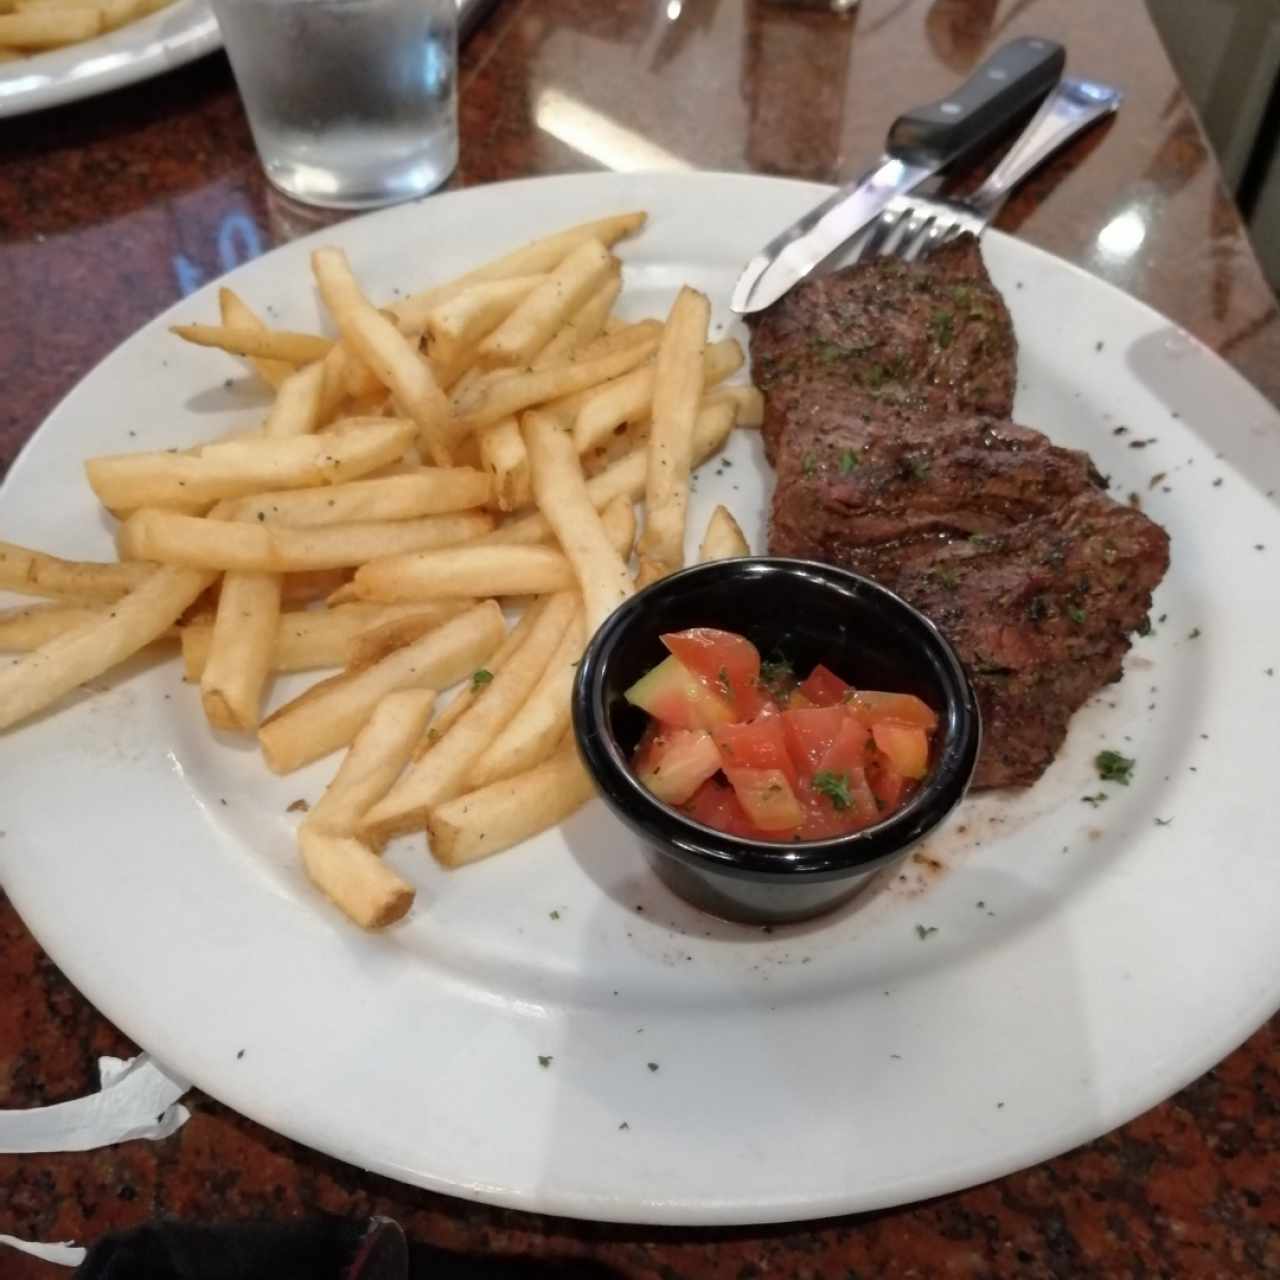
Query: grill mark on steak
1006	540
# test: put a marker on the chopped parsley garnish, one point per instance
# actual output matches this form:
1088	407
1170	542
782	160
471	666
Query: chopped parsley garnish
1076	614
776	674
555	915
848	460
480	678
835	786
1113	767
924	930
544	1060
810	464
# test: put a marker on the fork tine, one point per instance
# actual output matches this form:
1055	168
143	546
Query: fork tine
902	227
874	237
923	240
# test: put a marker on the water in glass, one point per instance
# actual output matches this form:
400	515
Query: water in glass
352	103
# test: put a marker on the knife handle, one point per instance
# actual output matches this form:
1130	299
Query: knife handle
1013	79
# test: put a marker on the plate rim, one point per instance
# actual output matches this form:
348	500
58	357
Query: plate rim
153	53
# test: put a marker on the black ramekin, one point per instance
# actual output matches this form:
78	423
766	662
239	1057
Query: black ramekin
812	613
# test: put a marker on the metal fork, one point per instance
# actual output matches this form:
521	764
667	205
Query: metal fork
914	225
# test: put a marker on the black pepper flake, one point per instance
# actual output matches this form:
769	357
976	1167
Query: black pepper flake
1217	482
239	1055
545	1060
1194	633
298	806
1163	822
624	1126
1155	479
924	931
653	1066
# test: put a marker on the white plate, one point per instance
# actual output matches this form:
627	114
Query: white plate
184	31
1087	961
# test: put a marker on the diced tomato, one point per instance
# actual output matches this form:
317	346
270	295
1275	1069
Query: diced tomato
827	816
848	749
729	664
886	781
902	708
716	805
824	688
810	732
798	702
677	764
767	797
678	698
906	746
762	744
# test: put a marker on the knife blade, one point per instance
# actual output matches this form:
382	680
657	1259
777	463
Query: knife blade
921	142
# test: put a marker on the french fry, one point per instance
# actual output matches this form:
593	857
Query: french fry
49	28
133	622
630	397
423	491
561	494
723	538
460	322
241	647
535	258
33	573
329	714
565	408
309	640
583	327
625	478
510	394
378	756
534	322
466	695
24	629
374	644
170	538
354	878
747	401
442	772
266	344
464	571
494	818
543	718
312	585
377	341
296	411
676	391
502	453
129	481
236	314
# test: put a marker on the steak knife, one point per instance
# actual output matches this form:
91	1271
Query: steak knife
921	142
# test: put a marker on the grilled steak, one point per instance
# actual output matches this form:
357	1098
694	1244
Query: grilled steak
920	481
933	339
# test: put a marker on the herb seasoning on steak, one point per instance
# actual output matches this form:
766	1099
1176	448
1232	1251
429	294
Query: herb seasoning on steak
888	391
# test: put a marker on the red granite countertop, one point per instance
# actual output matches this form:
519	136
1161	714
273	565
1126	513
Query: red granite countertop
112	208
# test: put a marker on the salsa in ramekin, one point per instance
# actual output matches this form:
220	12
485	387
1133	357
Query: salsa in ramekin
746	746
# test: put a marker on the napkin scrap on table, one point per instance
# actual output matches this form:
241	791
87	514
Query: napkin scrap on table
137	1098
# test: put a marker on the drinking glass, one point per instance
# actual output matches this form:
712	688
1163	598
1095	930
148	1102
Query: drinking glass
352	103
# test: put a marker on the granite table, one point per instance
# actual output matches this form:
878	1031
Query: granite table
110	209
